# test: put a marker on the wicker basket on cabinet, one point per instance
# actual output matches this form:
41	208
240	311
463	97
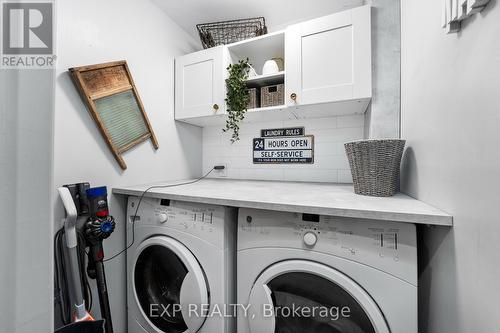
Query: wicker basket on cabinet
227	32
272	95
253	101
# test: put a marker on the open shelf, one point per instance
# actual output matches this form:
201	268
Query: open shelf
265	80
259	49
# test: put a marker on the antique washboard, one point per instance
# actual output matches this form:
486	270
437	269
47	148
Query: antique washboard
110	94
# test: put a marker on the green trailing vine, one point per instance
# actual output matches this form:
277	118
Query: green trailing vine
237	97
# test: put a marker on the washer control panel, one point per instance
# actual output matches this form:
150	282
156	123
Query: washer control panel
389	246
201	220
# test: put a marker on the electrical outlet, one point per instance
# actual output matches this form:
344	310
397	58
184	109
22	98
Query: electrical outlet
221	173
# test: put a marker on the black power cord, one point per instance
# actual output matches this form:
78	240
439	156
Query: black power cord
60	280
142	196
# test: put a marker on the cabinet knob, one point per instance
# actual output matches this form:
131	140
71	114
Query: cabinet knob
216	107
293	96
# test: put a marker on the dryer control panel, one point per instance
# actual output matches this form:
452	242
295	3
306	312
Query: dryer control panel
388	246
207	222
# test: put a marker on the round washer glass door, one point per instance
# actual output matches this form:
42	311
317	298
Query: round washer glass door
298	296
167	279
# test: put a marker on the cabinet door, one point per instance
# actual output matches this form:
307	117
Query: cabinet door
199	84
329	59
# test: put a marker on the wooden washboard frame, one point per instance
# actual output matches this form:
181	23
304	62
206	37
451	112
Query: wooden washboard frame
96	83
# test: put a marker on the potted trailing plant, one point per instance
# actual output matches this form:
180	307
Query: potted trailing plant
237	97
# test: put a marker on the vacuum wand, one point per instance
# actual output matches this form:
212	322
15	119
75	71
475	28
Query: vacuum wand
79	311
99	226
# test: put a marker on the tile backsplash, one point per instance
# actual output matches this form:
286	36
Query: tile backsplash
330	161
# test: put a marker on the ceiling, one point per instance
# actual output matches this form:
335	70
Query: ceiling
278	13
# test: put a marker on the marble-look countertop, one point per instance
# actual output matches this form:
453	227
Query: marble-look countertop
313	198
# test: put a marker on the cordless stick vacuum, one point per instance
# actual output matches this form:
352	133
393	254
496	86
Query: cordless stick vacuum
89	204
99	226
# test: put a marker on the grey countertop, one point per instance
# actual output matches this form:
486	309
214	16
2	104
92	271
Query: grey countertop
313	198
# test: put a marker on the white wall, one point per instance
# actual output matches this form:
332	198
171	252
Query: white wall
26	138
96	31
451	117
330	161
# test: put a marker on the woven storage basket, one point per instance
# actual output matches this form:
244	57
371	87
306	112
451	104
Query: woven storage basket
272	95
252	102
227	32
375	166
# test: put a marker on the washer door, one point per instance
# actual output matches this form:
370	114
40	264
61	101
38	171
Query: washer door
305	287
167	280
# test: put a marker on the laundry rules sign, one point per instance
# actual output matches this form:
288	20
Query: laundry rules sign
283	146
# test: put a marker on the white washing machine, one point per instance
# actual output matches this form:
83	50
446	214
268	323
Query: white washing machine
181	267
308	273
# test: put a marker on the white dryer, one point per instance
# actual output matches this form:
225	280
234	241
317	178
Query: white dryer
308	273
181	267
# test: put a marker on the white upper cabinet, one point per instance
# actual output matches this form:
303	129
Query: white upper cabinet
200	84
329	59
327	72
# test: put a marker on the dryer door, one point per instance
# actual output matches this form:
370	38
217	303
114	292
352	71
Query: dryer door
299	296
168	280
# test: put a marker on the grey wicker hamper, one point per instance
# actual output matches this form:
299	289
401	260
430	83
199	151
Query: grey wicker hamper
375	166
